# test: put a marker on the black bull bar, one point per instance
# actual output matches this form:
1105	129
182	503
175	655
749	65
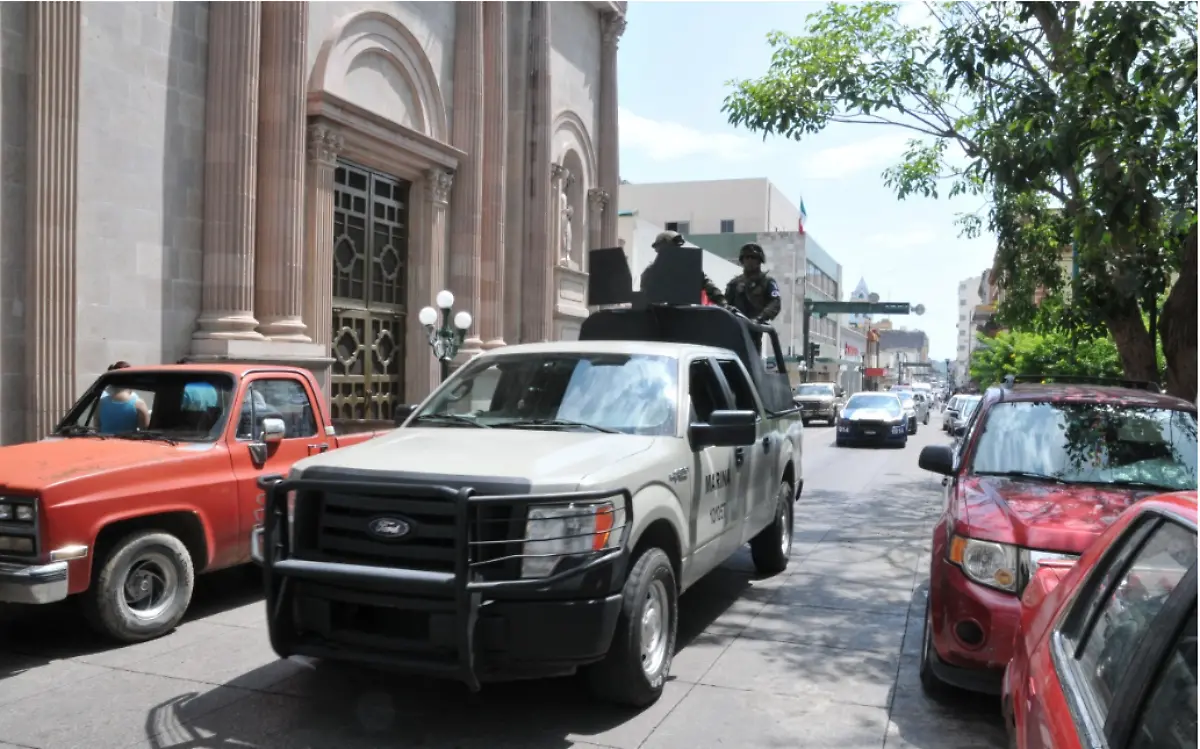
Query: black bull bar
464	585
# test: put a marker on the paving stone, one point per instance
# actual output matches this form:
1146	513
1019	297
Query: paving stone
831	628
808	589
26	676
233	656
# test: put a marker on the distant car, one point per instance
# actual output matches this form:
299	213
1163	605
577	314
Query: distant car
962	414
950	411
924	403
873	418
1041	472
1106	653
911	409
819	401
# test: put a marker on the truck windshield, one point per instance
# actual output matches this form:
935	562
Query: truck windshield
1090	443
815	390
175	406
632	394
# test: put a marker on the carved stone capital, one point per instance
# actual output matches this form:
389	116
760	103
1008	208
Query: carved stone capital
437	185
612	27
324	144
558	172
597	199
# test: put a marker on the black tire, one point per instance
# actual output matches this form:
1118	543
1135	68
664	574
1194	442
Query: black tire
771	549
839	443
163	560
931	685
926	420
804	421
621	677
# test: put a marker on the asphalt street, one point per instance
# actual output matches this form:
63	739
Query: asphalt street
824	655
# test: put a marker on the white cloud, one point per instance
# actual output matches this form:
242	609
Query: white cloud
916	14
666	141
839	162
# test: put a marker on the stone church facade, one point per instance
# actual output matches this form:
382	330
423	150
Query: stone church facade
291	182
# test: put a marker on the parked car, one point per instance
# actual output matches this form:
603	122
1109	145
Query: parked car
950	411
819	400
924	403
544	508
1106	653
912	409
125	518
962	414
873	418
1040	474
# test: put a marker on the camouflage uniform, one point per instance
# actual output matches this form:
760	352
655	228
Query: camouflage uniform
669	238
755	295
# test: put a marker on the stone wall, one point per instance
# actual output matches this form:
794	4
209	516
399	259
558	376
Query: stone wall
141	182
13	114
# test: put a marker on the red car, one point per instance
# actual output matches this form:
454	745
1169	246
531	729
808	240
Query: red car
1041	471
1106	655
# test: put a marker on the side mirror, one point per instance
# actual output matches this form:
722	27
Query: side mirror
273	430
960	430
401	413
725	429
841	392
938	459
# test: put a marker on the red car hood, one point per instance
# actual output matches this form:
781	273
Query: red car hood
1040	515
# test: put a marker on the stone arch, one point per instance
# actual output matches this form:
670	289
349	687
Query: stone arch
571	134
372	60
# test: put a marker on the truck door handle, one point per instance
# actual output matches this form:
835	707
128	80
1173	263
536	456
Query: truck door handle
323	447
767	444
739	456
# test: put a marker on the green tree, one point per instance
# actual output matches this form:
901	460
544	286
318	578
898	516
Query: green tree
1076	124
1053	352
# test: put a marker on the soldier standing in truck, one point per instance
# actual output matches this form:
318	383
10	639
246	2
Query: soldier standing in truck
754	293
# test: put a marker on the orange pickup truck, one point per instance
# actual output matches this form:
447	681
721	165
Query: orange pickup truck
123	505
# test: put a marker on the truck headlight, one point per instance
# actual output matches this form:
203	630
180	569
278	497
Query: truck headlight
553	532
986	562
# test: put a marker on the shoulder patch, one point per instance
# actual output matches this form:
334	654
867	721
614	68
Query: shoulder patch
774	287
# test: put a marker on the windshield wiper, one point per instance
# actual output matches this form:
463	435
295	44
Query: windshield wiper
559	423
454	418
147	435
1143	485
1022	475
80	430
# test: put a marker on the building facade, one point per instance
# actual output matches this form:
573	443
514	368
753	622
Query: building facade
636	234
968	300
291	182
725	206
898	348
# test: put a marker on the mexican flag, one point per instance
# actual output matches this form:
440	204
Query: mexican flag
803	216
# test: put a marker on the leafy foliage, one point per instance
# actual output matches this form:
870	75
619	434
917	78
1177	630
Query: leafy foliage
1075	124
1020	353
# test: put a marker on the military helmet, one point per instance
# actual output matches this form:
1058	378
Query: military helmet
751	249
668	239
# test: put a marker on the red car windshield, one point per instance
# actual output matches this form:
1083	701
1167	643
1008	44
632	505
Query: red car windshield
1089	443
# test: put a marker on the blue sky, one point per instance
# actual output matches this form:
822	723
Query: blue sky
675	60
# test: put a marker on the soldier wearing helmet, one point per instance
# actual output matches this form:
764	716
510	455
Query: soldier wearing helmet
755	294
675	239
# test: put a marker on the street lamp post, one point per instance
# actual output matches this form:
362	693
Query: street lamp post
446	339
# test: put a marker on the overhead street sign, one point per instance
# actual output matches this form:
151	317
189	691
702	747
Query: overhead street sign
859	308
916	365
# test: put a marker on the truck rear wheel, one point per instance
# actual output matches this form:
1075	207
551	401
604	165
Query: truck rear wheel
772	548
639	659
143	588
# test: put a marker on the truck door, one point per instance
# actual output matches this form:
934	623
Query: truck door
752	497
267	396
712	474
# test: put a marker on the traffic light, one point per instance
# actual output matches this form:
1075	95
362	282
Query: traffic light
814	350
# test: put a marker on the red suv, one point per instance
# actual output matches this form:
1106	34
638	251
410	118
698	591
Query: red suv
1041	471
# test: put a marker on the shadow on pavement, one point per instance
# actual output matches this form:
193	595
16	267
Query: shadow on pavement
35	635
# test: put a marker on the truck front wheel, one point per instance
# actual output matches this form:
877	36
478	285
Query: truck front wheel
143	588
643	646
772	548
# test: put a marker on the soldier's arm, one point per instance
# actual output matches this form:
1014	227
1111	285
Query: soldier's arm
771	311
714	293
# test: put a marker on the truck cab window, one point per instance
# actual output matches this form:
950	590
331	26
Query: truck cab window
705	391
743	394
279	399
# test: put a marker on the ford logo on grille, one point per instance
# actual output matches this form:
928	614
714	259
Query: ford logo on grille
389	528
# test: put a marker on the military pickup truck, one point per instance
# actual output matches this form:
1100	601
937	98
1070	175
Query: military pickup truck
124	512
544	508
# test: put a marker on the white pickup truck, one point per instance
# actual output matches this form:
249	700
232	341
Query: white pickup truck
543	509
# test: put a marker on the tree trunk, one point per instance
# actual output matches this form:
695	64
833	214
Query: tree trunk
1178	326
1138	355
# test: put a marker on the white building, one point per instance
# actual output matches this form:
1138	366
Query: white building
636	235
725	206
968	299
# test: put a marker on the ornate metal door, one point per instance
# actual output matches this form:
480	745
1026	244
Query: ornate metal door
370	266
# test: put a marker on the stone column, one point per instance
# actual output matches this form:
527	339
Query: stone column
495	137
516	169
466	133
538	264
279	245
613	25
231	162
324	143
52	219
597	203
427	274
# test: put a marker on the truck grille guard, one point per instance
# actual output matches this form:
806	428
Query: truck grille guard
463	586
